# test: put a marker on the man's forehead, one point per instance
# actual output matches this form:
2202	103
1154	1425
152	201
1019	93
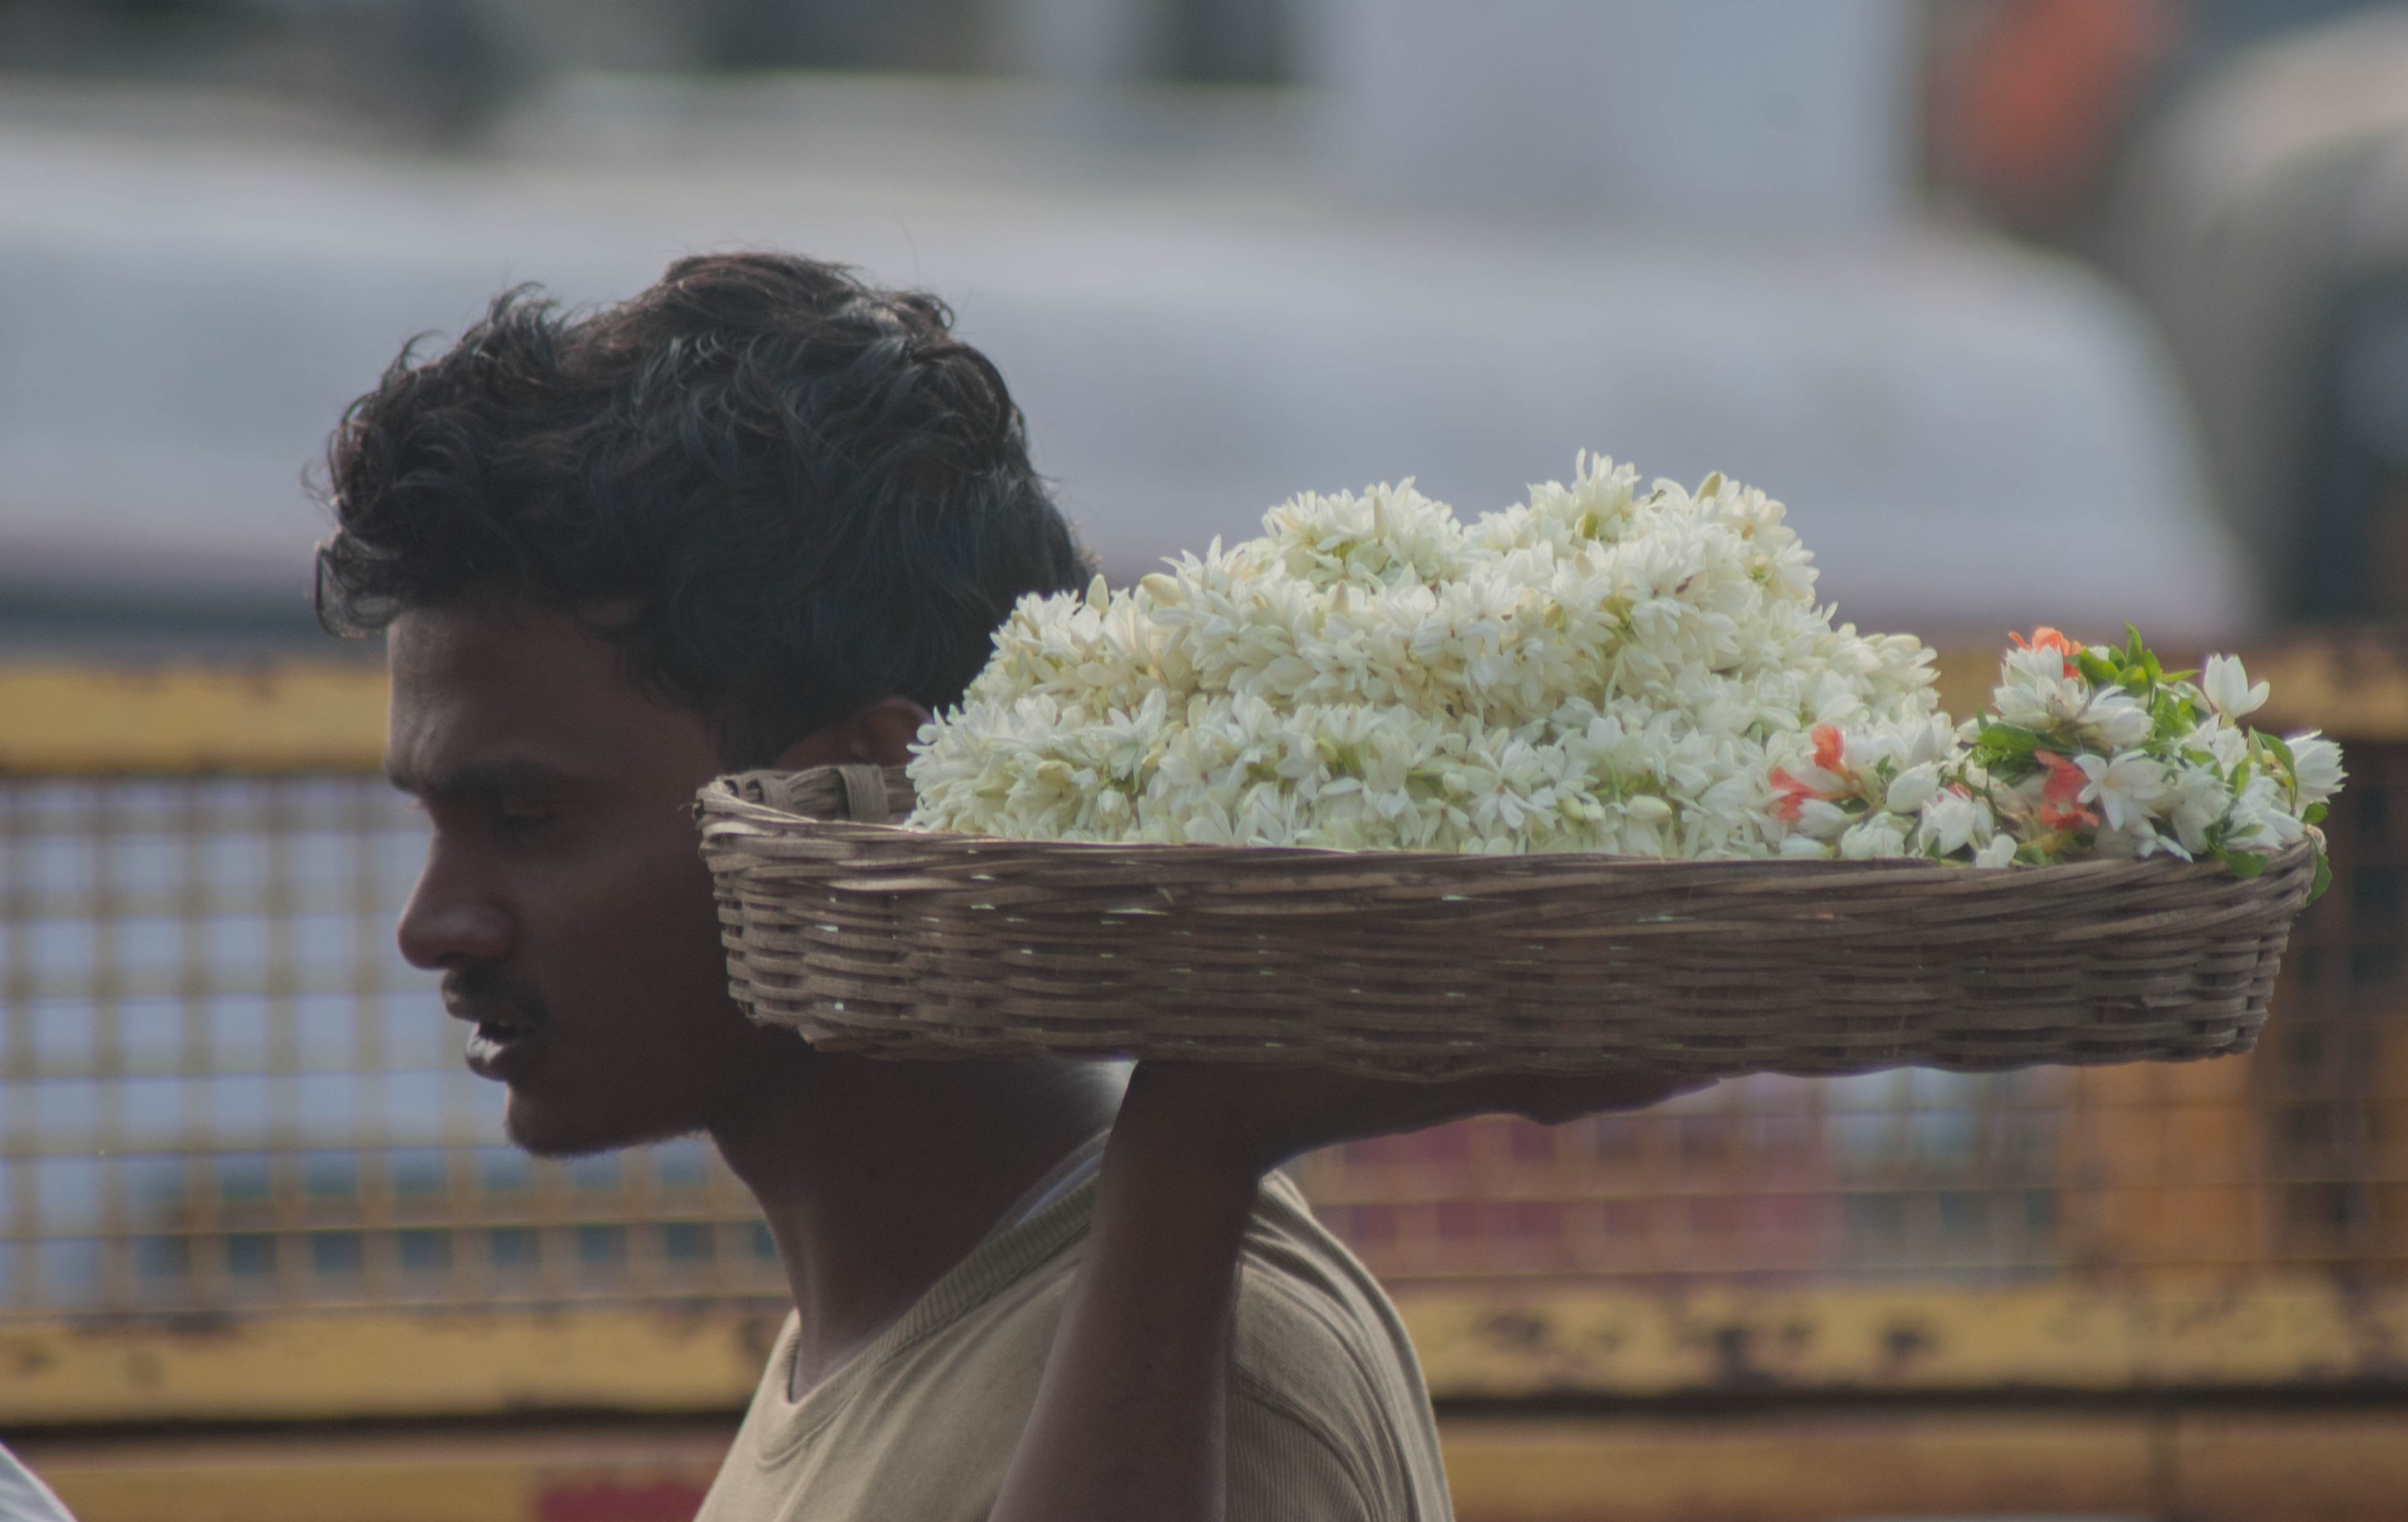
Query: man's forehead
442	638
469	686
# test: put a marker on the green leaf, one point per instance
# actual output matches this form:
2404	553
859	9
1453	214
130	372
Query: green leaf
2171	716
2324	879
2101	670
2312	815
2006	738
2244	863
2276	743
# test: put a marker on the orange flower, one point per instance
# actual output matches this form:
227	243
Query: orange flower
2060	797
1794	793
1829	767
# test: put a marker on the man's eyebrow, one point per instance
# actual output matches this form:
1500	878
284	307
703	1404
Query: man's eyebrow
481	780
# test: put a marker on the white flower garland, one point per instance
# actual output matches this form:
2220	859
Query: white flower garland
1599	669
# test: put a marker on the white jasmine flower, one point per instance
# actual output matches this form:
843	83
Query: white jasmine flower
2000	851
2227	744
2226	685
2151	844
2316	766
1913	788
1821	819
2194	801
1952	821
2123	787
2257	820
1879	835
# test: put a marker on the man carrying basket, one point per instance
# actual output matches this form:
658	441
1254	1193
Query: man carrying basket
762	515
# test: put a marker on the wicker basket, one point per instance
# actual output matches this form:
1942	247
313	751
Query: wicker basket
866	936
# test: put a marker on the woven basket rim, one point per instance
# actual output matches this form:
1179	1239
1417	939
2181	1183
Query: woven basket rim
902	941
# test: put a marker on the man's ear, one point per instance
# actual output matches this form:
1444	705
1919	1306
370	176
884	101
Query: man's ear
880	735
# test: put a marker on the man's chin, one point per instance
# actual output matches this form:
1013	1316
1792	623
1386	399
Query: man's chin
545	1130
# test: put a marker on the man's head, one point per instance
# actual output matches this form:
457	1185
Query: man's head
759	514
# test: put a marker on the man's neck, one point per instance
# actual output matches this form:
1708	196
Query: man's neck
876	1177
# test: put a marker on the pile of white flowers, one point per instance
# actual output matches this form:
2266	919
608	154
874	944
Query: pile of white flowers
1600	668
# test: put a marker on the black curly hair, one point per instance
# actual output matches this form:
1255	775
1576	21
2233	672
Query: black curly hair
784	492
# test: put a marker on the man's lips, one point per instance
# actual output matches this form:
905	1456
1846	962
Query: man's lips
502	1051
503	1043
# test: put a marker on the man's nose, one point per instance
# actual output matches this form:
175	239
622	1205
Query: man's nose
452	920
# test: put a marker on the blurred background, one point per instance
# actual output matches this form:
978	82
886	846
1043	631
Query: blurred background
2033	310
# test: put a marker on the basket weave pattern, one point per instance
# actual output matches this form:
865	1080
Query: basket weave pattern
868	937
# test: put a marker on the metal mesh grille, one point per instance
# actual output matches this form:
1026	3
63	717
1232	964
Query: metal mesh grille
1912	1174
220	1087
2331	1078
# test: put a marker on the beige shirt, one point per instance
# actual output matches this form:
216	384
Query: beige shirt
1328	1421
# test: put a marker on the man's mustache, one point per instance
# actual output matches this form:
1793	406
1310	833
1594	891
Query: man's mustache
472	989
